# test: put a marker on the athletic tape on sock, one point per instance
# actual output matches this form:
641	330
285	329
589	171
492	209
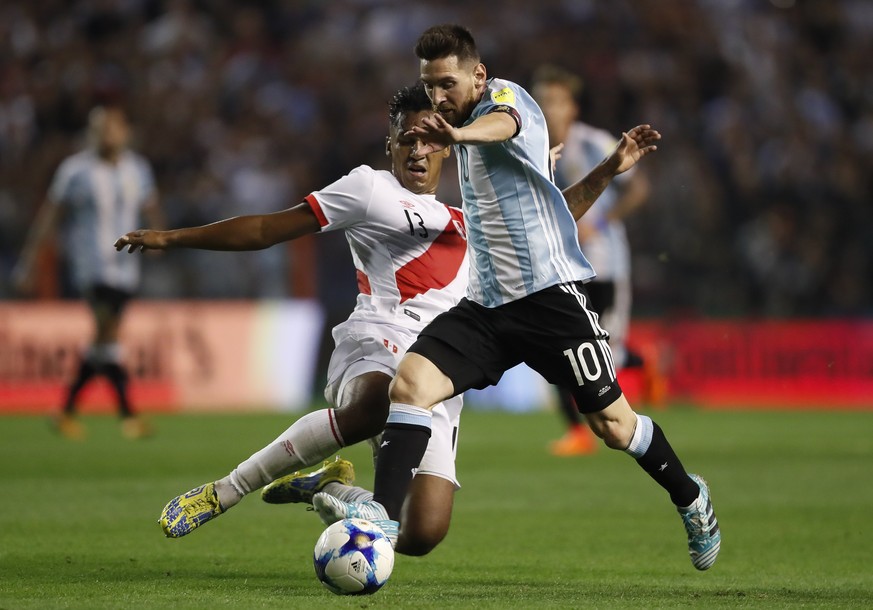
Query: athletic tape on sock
409	415
642	437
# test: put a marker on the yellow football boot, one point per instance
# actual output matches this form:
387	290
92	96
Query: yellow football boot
183	514
300	487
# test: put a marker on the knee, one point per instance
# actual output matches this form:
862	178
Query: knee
419	382
616	434
404	388
420	540
357	423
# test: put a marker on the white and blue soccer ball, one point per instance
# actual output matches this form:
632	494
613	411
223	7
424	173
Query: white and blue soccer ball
353	557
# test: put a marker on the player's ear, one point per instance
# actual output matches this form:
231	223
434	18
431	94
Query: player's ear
446	152
480	75
388	146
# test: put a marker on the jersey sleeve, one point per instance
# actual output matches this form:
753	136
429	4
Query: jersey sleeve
345	202
59	189
147	178
504	96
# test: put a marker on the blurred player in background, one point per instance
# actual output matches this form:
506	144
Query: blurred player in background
526	299
95	194
602	235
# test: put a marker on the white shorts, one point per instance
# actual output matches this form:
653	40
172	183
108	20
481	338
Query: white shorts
365	347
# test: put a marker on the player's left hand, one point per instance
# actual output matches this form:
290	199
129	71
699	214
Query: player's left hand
634	145
554	155
435	134
142	239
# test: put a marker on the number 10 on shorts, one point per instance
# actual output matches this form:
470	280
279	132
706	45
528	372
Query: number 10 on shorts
585	369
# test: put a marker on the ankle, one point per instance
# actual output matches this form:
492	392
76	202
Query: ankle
228	494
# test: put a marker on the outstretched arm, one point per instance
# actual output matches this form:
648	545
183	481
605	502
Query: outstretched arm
239	233
633	146
436	133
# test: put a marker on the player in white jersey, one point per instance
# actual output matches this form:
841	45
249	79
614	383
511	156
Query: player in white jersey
526	301
602	235
410	257
95	194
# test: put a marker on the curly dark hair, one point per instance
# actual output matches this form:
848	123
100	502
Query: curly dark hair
406	100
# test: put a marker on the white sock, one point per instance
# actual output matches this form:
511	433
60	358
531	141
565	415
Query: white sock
309	440
348	493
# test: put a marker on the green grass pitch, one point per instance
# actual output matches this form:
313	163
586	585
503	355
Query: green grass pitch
793	492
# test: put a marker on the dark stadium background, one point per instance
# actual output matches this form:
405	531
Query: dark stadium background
760	208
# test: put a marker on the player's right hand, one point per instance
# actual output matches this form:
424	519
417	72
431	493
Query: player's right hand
141	240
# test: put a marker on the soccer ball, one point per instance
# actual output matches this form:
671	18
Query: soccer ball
353	557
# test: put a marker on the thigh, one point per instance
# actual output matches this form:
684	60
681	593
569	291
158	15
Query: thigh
561	338
362	348
620	313
363	407
107	305
602	295
463	343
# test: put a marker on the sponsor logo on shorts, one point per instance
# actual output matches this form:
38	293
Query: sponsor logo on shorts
604	390
412	315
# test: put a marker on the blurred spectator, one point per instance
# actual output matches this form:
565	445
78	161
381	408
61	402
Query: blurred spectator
764	106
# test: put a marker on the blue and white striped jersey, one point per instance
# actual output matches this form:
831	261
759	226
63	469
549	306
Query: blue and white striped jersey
101	201
520	234
603	240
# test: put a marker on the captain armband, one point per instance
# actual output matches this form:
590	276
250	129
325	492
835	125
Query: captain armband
511	112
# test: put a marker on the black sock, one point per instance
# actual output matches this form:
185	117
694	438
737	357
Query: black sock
568	407
87	370
400	453
661	463
118	378
633	360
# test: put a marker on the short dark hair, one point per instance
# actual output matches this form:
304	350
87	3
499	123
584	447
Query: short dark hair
406	100
444	40
550	74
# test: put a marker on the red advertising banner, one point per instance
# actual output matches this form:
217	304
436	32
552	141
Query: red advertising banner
180	355
790	364
244	355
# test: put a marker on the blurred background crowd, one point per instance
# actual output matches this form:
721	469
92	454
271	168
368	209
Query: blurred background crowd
762	187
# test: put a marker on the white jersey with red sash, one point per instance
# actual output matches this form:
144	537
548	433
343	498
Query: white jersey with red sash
409	250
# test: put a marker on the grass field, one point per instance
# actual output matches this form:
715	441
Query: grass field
793	493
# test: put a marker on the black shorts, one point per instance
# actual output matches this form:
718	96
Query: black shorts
107	298
553	331
602	295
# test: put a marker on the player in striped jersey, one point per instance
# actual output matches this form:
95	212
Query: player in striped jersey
602	237
95	194
410	255
526	300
